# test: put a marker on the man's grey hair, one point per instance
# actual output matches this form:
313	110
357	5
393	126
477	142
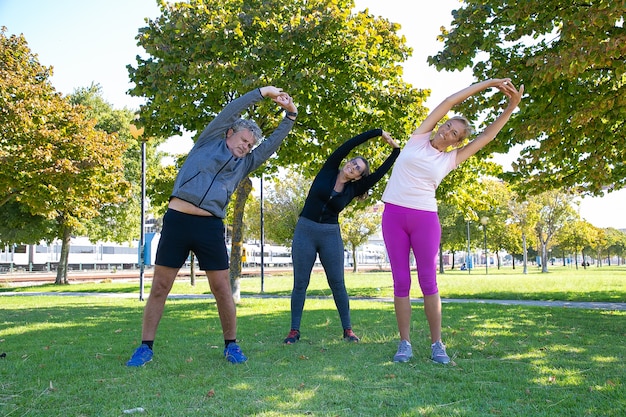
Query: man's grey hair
249	125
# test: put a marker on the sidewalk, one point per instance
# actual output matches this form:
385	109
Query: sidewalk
592	305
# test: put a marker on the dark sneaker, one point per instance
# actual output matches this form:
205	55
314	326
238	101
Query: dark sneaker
404	353
439	353
143	355
233	353
349	336
292	337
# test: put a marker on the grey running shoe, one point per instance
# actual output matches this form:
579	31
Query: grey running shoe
404	353
439	353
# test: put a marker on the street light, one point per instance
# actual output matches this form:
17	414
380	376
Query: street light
468	257
484	220
136	133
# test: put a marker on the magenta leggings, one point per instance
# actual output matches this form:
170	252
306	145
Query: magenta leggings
405	229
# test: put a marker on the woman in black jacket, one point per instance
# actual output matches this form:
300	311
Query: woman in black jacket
317	231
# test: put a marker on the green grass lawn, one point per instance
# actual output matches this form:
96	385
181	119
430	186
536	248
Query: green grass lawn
65	355
607	284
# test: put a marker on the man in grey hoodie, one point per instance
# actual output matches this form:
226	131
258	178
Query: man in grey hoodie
222	156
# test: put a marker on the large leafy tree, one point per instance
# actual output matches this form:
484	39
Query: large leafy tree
342	68
574	236
283	200
118	222
56	168
357	225
572	58
554	211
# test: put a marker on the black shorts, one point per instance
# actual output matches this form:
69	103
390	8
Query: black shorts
204	235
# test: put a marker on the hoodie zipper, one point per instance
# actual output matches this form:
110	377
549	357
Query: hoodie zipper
213	180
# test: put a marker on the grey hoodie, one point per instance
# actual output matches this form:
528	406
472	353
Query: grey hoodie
211	172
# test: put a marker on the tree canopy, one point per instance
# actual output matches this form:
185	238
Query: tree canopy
343	70
56	168
571	56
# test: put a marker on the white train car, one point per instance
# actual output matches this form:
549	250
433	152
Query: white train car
273	256
83	255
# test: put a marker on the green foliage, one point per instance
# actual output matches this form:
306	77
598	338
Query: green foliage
571	57
357	225
343	71
57	169
116	221
463	188
18	225
555	210
283	200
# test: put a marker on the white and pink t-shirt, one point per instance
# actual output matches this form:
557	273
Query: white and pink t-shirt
417	173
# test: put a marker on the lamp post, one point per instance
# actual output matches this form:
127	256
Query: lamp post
468	257
484	220
262	214
136	133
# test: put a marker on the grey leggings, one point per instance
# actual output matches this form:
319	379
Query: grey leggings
309	240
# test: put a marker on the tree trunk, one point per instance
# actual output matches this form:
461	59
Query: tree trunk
441	271
241	195
355	266
544	257
582	253
63	259
192	269
525	253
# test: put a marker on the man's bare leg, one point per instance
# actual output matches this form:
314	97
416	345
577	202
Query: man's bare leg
219	281
161	286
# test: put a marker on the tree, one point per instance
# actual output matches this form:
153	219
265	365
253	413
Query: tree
117	222
499	215
357	226
571	57
575	236
616	243
54	163
282	204
342	69
524	213
554	211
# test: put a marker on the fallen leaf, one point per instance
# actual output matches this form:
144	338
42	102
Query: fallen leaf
211	393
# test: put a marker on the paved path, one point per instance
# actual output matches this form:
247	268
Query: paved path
565	304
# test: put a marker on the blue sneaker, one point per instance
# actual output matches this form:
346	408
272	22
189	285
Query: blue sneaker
439	354
233	353
142	356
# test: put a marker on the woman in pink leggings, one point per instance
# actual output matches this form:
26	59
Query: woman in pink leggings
410	220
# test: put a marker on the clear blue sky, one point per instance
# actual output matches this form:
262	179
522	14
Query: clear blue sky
92	41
